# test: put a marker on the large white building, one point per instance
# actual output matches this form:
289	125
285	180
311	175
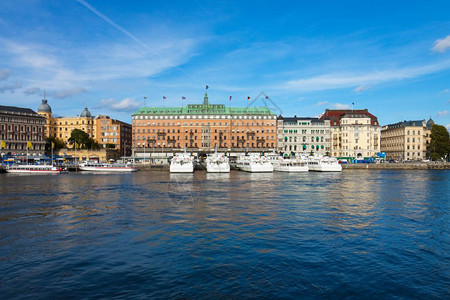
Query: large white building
354	133
296	135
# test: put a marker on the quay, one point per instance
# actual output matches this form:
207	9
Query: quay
399	166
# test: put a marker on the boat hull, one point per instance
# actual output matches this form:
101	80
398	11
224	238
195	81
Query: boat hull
108	169
287	168
218	167
256	168
182	168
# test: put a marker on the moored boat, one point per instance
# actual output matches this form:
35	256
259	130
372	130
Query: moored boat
254	163
217	163
182	163
323	164
35	169
106	167
290	165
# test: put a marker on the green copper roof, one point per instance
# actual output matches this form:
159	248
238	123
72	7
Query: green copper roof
204	109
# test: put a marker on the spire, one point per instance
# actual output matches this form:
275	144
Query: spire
205	100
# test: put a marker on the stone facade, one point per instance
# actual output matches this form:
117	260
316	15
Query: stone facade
405	140
113	134
18	126
354	133
303	135
204	127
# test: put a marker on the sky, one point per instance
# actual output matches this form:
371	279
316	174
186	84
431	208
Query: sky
391	57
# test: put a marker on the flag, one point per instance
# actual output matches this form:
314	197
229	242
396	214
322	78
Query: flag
353	103
207	87
164	97
267	97
2	144
248	98
183	98
145	97
230	98
76	145
53	145
29	145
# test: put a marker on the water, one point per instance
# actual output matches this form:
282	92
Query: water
355	234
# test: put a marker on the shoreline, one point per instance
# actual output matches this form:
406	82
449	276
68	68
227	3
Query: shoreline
398	166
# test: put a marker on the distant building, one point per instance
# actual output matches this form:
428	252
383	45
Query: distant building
203	127
115	134
109	133
61	127
297	135
354	133
405	140
19	127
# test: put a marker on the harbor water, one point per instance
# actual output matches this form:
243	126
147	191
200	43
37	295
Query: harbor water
360	234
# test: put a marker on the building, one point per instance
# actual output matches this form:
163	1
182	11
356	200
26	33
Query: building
109	133
61	127
113	134
21	130
296	135
203	127
354	133
405	140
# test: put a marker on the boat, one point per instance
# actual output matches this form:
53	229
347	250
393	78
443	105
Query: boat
217	163
254	163
290	165
182	163
35	169
106	167
323	164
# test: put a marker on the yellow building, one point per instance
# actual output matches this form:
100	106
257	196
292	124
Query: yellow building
405	140
61	127
109	133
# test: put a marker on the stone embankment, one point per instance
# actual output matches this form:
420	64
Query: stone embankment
400	166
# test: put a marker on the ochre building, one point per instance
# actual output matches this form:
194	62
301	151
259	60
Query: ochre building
204	127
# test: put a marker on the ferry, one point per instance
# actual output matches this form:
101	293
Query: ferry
323	164
254	163
290	165
182	163
217	163
35	169
106	167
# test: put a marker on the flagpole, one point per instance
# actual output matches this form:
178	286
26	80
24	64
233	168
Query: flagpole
52	153
27	150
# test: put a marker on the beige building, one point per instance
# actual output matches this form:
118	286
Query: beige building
354	133
405	140
109	133
303	135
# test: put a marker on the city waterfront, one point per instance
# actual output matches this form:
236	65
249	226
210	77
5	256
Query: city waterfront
152	234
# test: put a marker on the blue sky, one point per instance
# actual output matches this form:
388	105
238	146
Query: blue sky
391	57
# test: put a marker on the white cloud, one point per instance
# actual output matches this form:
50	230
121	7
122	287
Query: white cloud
448	127
361	88
10	87
4	74
442	45
334	105
341	106
32	91
445	91
442	113
346	80
127	104
68	92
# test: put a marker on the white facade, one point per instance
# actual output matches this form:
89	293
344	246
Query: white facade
303	135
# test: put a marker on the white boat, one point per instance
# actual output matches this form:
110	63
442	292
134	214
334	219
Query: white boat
182	163
254	163
35	169
290	165
106	167
217	163
323	164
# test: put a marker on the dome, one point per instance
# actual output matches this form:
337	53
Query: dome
44	107
430	123
85	113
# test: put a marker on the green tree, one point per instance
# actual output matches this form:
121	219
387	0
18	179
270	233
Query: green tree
58	144
440	142
79	137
